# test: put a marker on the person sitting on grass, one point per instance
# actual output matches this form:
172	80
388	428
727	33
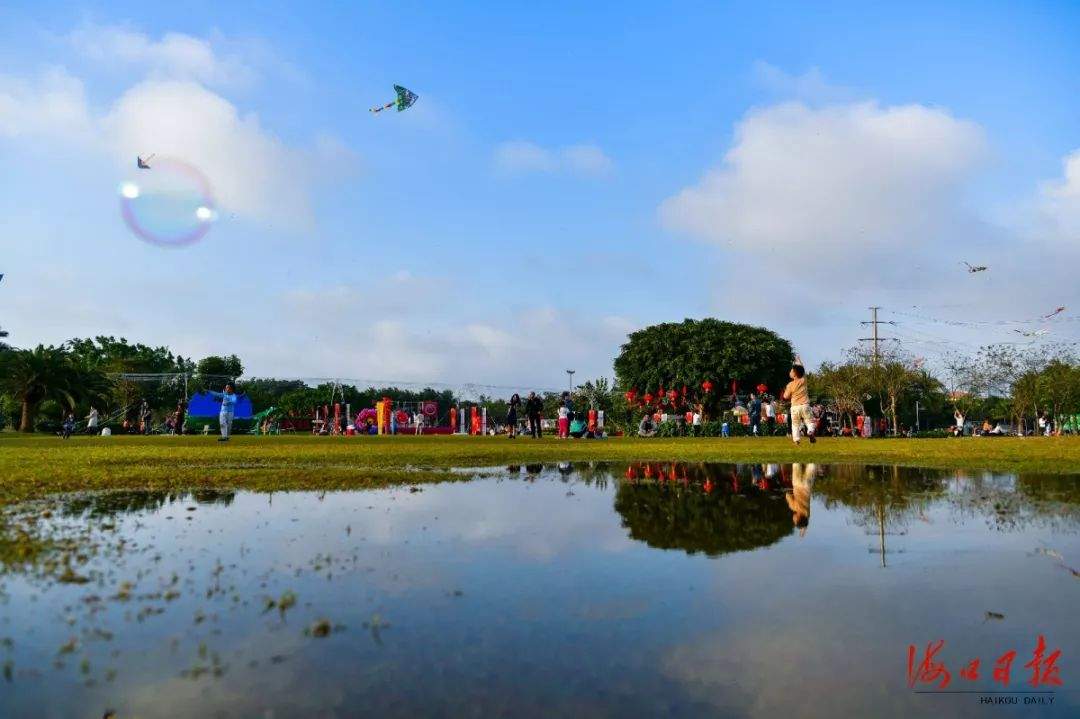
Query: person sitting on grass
646	427
578	428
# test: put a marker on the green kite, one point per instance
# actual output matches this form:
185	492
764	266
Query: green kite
405	100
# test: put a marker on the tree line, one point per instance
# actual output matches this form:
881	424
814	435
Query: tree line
698	363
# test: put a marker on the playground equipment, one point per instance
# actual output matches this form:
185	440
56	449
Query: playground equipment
269	417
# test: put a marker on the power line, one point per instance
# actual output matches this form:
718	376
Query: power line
876	339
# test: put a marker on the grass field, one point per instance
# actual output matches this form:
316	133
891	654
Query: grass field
33	466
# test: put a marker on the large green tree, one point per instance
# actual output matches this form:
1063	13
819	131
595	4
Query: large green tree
162	382
214	371
687	353
47	373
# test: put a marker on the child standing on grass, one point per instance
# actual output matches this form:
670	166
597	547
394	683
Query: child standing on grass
68	426
796	393
564	420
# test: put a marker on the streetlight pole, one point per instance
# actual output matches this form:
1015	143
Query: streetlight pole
571	372
918	427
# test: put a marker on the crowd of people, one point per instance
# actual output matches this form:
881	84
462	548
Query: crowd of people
760	415
802	417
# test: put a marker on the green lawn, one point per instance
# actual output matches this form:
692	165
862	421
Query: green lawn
32	466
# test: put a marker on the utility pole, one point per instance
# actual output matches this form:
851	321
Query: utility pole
874	321
3	333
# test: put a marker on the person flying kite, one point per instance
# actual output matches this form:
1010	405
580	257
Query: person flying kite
405	100
143	163
973	268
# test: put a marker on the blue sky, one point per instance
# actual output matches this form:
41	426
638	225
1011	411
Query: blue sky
569	174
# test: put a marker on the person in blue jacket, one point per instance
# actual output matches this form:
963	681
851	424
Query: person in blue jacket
228	407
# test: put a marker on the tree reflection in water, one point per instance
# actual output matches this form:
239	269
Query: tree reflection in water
714	509
108	504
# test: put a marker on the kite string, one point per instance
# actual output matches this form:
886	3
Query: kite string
974	323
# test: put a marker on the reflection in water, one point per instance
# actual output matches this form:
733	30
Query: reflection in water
798	499
701	507
106	504
539	590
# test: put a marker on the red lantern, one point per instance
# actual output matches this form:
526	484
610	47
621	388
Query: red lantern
684	391
630	395
673	394
647	398
707	386
762	388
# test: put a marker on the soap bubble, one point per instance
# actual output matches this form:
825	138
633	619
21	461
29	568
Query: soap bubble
169	205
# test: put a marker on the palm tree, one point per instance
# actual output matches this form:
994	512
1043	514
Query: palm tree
46	373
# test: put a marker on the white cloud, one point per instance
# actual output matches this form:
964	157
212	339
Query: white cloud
586	159
173	56
52	105
836	183
833	209
1059	201
401	329
251	171
810	86
519	157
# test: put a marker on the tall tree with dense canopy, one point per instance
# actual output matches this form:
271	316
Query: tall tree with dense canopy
47	373
116	356
690	352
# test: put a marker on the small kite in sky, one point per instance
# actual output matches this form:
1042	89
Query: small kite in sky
973	268
143	163
1056	312
405	99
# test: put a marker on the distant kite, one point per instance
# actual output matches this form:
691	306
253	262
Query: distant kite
973	268
1056	312
143	163
405	99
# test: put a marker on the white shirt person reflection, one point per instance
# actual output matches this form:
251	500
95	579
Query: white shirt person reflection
798	499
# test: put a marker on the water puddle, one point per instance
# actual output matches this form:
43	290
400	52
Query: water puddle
584	590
